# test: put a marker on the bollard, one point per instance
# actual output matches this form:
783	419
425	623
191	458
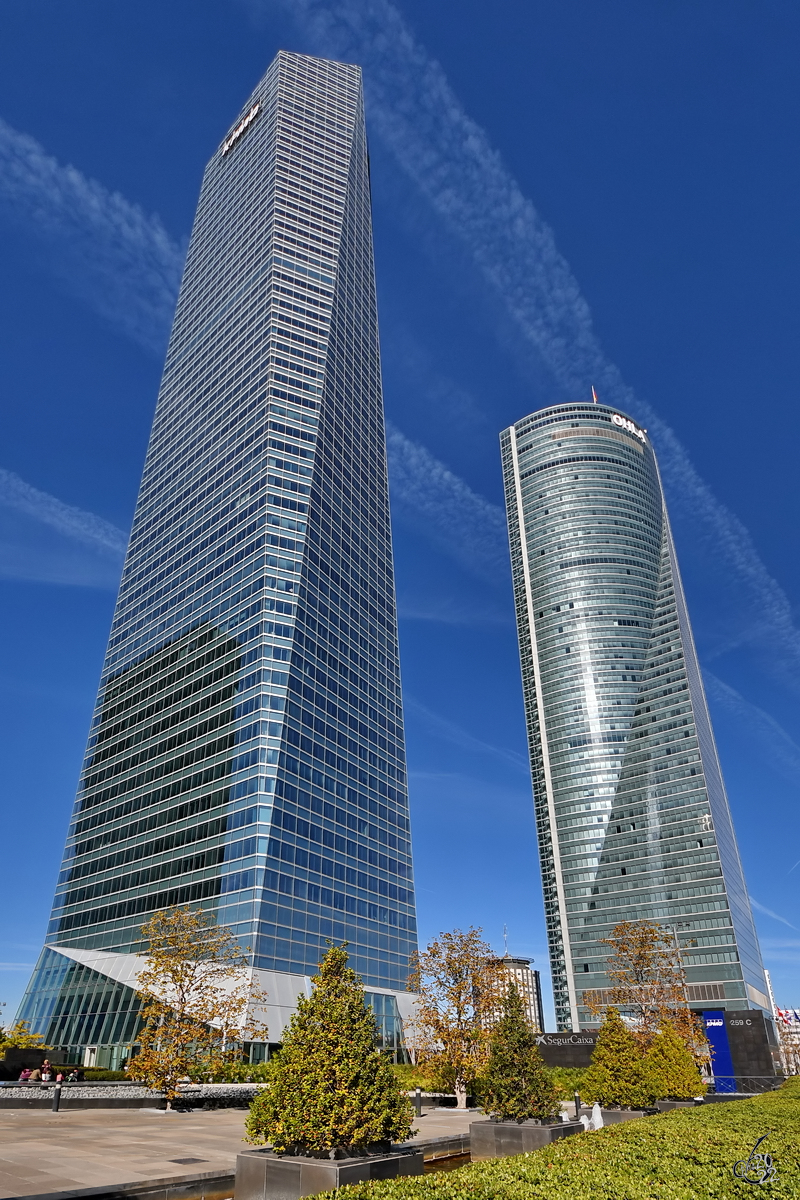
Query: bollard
418	1101
56	1097
577	1107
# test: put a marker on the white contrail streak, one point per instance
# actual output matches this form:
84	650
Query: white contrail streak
104	249
451	732
124	263
782	752
769	913
455	518
450	159
72	522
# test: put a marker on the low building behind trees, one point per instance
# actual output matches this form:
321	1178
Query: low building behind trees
519	971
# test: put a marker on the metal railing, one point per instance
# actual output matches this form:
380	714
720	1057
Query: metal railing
745	1084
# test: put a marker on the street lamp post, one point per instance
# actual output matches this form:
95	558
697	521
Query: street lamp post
674	927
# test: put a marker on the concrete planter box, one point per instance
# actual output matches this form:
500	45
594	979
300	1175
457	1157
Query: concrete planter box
496	1139
13	1059
668	1105
205	1185
439	1099
109	1102
262	1175
613	1116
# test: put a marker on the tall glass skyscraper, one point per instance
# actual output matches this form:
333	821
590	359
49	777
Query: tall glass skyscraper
247	749
632	816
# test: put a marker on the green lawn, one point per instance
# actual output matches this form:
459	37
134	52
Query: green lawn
679	1155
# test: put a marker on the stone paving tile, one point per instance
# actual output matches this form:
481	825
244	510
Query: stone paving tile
50	1152
43	1151
443	1122
12	1171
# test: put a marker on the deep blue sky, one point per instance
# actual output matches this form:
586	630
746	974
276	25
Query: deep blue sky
660	143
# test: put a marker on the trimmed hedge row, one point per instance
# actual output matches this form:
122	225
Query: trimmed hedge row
681	1155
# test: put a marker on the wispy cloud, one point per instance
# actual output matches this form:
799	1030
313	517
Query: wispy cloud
73	522
104	249
413	108
12	966
452	610
442	397
124	263
450	732
46	541
782	751
126	266
769	913
779	954
446	509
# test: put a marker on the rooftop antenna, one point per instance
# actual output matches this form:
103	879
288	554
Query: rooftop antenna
505	939
594	395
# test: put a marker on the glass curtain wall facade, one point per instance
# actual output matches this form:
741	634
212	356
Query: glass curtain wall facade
247	748
632	816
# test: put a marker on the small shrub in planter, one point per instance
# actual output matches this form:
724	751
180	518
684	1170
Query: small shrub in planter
234	1072
619	1074
568	1080
676	1073
417	1077
331	1092
517	1085
518	1091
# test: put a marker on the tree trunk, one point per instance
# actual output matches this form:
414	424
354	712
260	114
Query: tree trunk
460	1090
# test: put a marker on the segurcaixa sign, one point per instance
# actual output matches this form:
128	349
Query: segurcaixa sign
584	1038
567	1049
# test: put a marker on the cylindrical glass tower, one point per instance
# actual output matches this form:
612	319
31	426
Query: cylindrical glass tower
632	816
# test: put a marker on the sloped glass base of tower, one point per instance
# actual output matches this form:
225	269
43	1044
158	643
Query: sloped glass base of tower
85	1006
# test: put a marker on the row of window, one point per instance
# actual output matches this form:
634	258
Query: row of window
226	466
242	411
161	845
326	897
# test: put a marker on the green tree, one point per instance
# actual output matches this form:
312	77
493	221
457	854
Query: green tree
673	1067
648	981
619	1073
20	1036
459	993
196	995
332	1092
517	1084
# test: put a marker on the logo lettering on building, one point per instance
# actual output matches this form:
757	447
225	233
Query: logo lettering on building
565	1039
240	128
624	423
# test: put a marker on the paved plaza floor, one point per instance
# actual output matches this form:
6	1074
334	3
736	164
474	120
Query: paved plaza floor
49	1152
